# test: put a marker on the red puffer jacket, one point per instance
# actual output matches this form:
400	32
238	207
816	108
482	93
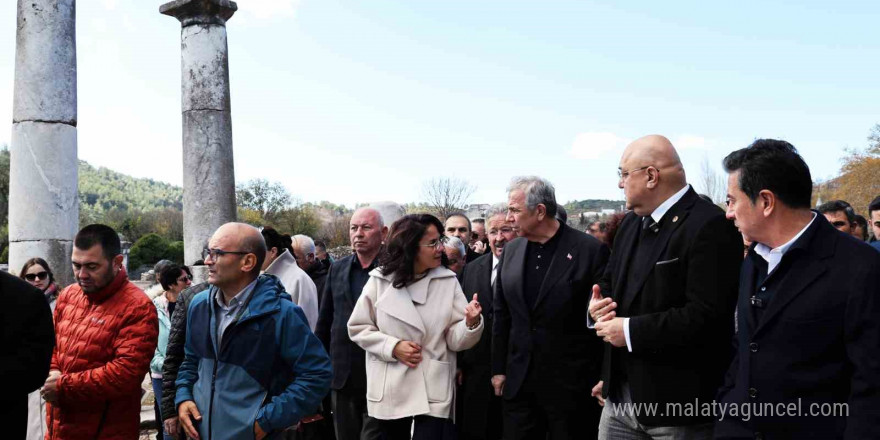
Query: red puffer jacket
104	343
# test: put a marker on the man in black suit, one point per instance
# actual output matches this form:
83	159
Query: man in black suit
544	359
459	225
670	289
27	337
342	289
479	409
808	308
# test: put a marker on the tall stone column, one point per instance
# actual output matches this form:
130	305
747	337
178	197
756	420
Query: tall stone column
43	203
208	172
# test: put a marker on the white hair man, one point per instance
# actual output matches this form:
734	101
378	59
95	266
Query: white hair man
304	251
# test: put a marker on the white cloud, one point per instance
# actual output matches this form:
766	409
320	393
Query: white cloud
593	145
268	9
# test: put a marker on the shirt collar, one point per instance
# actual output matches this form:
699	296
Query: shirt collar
765	252
237	300
664	207
356	262
495	261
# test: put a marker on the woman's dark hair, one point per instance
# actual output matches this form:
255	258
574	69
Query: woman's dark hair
33	262
187	270
611	226
402	246
775	166
169	275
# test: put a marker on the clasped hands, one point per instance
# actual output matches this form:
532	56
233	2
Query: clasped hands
608	326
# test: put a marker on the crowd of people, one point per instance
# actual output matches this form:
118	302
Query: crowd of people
673	320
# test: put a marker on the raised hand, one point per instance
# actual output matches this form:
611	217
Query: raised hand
473	312
601	309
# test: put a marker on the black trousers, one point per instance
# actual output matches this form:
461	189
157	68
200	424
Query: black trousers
423	428
350	419
539	411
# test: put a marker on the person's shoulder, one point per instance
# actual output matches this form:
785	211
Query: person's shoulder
853	249
134	294
875	245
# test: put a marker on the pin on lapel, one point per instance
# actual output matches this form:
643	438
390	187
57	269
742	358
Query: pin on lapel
568	256
674	219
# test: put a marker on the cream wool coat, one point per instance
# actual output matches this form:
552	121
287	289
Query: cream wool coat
429	312
298	285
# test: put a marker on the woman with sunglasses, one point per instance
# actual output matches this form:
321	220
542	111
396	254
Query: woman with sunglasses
173	279
36	271
411	319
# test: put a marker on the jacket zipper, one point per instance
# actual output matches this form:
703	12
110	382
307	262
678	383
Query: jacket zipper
226	332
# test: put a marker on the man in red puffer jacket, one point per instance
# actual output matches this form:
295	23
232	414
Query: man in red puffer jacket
106	331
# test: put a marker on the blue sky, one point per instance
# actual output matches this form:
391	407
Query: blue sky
363	101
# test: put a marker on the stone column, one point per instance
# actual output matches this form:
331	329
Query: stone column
43	203
208	172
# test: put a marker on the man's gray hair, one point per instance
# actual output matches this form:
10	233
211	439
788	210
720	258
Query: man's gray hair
304	244
496	209
537	190
456	243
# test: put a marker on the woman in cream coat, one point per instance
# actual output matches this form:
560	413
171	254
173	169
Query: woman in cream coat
411	319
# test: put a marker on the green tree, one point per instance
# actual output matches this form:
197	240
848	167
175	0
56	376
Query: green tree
262	196
149	249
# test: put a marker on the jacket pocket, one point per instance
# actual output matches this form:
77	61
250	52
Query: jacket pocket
376	380
438	376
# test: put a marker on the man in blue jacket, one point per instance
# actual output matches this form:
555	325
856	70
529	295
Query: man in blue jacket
252	366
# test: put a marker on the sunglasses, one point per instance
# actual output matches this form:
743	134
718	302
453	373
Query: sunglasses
36	276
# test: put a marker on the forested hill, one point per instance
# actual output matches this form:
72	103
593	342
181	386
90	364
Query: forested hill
103	189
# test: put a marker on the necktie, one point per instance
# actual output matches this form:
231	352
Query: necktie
648	224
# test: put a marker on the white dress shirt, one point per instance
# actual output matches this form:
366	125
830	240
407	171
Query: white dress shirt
774	256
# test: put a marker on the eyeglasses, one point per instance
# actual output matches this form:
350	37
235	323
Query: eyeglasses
217	253
36	276
624	174
436	243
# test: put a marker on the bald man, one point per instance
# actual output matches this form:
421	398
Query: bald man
343	287
252	367
665	306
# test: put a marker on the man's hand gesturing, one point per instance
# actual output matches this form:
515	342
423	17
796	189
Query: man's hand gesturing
601	309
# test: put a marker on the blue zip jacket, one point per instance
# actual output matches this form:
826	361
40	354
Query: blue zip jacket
270	368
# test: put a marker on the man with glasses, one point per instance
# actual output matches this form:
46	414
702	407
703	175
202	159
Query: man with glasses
665	307
343	287
252	366
479	409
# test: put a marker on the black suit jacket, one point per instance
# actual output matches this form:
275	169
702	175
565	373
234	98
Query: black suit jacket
476	391
27	337
680	309
553	334
337	303
818	340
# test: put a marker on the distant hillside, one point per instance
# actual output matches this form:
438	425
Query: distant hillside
592	205
103	189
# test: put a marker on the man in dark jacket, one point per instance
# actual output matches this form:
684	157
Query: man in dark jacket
544	359
174	357
672	278
479	409
808	329
344	284
27	338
